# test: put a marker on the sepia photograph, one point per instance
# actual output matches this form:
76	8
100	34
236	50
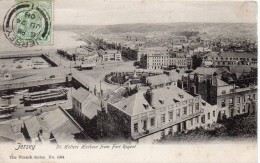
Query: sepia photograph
128	81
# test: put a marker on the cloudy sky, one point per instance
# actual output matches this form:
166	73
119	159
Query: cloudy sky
102	12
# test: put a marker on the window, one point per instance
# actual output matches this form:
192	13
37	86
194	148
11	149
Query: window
214	114
208	115
197	107
244	99
162	134
223	103
191	122
170	131
203	119
163	118
253	96
244	109
196	119
178	113
145	124
248	97
238	100
231	100
185	110
136	127
238	110
191	109
170	115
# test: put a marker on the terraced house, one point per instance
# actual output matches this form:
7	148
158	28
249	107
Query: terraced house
217	59
149	116
231	99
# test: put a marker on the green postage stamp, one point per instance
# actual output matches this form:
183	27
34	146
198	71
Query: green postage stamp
29	23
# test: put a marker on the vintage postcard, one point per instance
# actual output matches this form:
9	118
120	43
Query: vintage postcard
128	81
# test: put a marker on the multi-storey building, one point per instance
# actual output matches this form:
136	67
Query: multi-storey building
230	99
148	116
152	50
162	80
229	59
49	127
111	55
159	61
85	105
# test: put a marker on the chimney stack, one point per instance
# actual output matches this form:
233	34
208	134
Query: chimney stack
194	89
95	91
150	96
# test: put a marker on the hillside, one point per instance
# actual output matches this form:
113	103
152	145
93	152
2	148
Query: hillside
208	30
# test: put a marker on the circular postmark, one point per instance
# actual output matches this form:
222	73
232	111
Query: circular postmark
27	23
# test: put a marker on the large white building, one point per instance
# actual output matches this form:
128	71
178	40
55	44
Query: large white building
111	55
164	57
149	116
160	61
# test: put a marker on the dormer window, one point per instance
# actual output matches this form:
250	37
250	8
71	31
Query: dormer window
180	95
175	100
145	106
203	103
124	107
161	101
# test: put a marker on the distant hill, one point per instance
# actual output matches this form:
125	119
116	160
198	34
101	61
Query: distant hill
210	30
230	30
76	27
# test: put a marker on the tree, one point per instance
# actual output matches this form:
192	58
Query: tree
197	61
143	61
136	63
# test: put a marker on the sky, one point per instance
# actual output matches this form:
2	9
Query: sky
106	12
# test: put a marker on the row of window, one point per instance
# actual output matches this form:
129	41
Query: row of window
170	113
235	59
152	124
243	111
170	129
238	100
203	116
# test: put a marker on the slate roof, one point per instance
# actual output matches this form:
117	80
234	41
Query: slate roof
91	109
169	95
81	94
238	55
240	68
33	126
212	54
6	134
137	103
205	70
218	82
60	125
158	79
90	103
134	105
174	76
53	122
232	55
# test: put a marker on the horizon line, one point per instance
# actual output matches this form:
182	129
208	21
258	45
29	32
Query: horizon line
159	23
